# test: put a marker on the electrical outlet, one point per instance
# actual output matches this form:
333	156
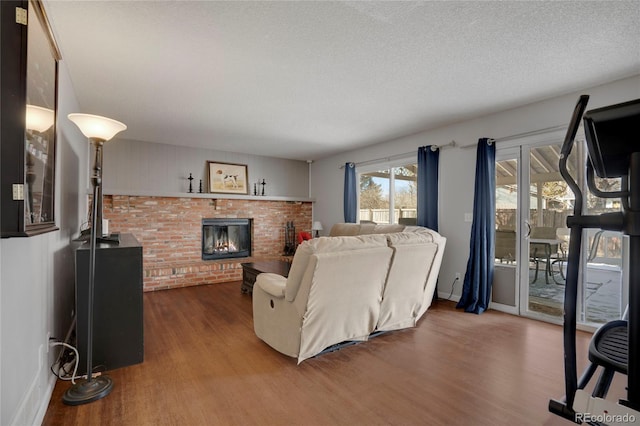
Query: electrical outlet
457	276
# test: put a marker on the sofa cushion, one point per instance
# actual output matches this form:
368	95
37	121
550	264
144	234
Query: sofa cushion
344	294
406	281
409	238
325	245
387	229
367	228
344	229
356	242
416	228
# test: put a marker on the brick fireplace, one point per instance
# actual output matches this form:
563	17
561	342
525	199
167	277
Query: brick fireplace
170	231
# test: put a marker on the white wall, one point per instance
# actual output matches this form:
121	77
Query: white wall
457	165
153	167
37	282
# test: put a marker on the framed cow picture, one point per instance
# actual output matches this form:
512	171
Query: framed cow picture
226	178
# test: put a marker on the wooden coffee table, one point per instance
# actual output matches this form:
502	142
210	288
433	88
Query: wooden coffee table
250	271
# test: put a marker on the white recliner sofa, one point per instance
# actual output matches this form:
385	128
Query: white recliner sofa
343	288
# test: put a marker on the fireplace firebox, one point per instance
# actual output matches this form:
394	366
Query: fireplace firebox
226	238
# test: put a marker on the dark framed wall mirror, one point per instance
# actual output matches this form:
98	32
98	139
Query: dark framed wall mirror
29	79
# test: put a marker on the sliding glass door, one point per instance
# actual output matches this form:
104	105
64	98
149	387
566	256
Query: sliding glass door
532	239
547	204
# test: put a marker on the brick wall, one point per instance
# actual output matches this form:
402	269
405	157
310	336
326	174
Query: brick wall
170	229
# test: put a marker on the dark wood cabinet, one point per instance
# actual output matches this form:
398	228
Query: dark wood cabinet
28	81
118	335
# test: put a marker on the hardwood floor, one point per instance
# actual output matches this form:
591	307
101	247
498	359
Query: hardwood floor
205	366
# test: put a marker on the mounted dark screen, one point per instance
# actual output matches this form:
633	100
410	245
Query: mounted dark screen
613	133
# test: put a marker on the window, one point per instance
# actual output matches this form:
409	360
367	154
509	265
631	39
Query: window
389	195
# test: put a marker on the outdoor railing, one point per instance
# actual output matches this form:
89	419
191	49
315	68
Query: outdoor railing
382	215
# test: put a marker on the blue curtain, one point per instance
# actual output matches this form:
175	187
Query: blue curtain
476	290
428	161
350	193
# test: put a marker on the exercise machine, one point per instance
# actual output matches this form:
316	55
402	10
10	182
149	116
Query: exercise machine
613	142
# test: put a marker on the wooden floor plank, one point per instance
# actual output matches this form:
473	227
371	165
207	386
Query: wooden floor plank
205	366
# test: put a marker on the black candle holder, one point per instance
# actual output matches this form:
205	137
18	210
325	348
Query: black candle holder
190	183
263	183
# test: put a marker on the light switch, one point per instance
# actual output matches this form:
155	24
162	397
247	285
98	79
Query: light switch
18	191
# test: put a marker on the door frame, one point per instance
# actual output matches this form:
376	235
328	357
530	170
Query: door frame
512	153
519	148
522	146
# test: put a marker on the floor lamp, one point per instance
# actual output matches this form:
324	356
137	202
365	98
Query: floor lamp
98	130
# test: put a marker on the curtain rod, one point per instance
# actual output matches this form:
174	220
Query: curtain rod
398	156
524	134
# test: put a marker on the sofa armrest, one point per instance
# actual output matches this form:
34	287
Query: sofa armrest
273	284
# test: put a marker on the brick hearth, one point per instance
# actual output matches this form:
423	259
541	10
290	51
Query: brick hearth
169	230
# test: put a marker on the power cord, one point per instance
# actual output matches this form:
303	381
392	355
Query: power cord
64	366
452	285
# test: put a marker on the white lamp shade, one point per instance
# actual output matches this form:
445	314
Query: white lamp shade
97	127
317	226
39	118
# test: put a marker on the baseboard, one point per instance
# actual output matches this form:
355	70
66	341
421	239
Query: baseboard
44	402
31	398
493	305
448	296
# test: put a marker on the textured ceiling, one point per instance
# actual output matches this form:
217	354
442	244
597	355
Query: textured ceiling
304	80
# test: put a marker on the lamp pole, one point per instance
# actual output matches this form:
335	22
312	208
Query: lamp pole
92	389
98	130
